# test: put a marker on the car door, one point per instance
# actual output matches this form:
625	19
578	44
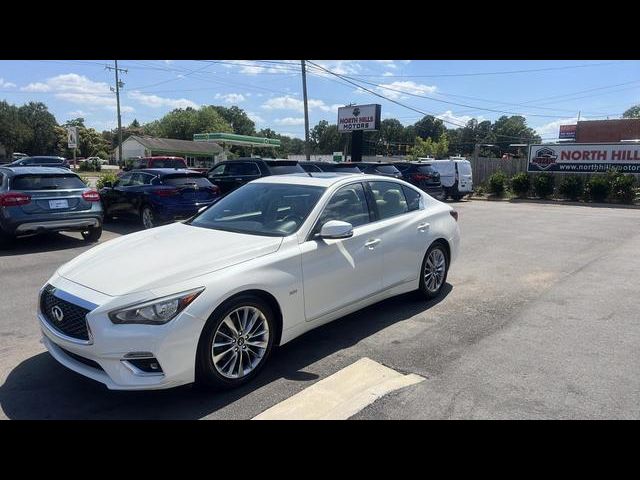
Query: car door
114	198
403	228
241	173
134	191
340	272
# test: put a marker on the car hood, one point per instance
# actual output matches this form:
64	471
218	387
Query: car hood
160	256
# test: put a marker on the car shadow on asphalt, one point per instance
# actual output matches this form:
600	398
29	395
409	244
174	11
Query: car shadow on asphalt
46	242
122	226
41	388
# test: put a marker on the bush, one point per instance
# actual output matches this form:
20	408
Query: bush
90	166
571	187
109	177
84	179
543	185
497	182
597	188
520	184
621	186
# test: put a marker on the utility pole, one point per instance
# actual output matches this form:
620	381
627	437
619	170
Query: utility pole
117	90
306	111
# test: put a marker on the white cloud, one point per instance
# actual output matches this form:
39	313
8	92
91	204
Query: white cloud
251	67
388	63
341	67
460	120
231	97
36	87
78	113
78	89
155	101
388	74
168	62
290	121
289	103
5	84
255	117
552	129
394	90
299	135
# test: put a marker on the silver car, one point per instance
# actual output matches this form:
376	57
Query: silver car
45	199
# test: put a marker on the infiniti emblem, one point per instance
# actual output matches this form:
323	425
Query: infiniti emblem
57	313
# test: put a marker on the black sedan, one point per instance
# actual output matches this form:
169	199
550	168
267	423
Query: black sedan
231	174
157	196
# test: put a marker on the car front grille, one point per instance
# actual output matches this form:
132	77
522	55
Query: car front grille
63	316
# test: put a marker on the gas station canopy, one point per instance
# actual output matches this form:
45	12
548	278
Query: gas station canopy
233	139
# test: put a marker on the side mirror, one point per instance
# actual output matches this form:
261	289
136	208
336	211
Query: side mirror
335	229
202	209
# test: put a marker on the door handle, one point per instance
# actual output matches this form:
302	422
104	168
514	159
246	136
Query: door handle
372	243
423	226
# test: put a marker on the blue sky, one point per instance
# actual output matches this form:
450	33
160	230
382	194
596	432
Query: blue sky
547	93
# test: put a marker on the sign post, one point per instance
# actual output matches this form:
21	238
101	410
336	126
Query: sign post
72	142
356	119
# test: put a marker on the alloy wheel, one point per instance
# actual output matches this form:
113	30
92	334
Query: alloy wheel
240	342
434	270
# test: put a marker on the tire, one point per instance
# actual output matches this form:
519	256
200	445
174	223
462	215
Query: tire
92	235
218	367
457	198
5	240
427	287
147	218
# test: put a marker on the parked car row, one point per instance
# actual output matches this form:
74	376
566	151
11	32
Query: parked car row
52	198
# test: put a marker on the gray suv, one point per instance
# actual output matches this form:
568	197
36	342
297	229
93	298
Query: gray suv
41	199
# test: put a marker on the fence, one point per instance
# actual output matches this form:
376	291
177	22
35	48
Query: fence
484	167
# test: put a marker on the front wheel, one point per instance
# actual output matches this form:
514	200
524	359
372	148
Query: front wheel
235	343
433	273
92	235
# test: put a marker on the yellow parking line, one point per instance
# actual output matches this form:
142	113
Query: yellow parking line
341	395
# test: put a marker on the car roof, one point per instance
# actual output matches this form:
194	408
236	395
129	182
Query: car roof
161	157
35	170
324	179
367	163
166	171
44	156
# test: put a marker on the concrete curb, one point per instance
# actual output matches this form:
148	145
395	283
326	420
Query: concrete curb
557	202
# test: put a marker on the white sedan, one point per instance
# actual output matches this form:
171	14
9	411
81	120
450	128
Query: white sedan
206	300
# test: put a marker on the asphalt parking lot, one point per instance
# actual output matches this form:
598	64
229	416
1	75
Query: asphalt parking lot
539	320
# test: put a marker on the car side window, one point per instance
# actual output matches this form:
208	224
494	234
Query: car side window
390	199
243	168
219	170
348	204
413	198
125	180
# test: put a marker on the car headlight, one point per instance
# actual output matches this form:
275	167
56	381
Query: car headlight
155	312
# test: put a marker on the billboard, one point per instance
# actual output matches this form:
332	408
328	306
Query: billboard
584	157
359	118
568	132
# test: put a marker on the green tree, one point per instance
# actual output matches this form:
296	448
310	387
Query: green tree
633	112
429	127
183	123
514	129
325	138
237	119
14	134
42	126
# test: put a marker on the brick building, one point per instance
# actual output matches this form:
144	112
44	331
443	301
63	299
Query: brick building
603	131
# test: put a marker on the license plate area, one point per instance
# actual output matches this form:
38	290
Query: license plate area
58	204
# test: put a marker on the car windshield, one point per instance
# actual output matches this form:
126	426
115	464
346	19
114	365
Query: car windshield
346	168
426	169
268	209
46	182
167	163
186	180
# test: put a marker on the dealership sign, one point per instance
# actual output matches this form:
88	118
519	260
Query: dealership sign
568	132
359	118
584	157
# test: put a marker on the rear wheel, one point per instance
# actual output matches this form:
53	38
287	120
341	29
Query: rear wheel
457	198
93	234
147	218
433	274
235	343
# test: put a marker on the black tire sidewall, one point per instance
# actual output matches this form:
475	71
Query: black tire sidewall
93	235
206	374
153	216
423	289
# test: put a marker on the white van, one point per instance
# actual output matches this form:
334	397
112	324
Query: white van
455	174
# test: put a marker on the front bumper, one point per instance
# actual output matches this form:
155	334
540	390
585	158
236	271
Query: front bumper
111	346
